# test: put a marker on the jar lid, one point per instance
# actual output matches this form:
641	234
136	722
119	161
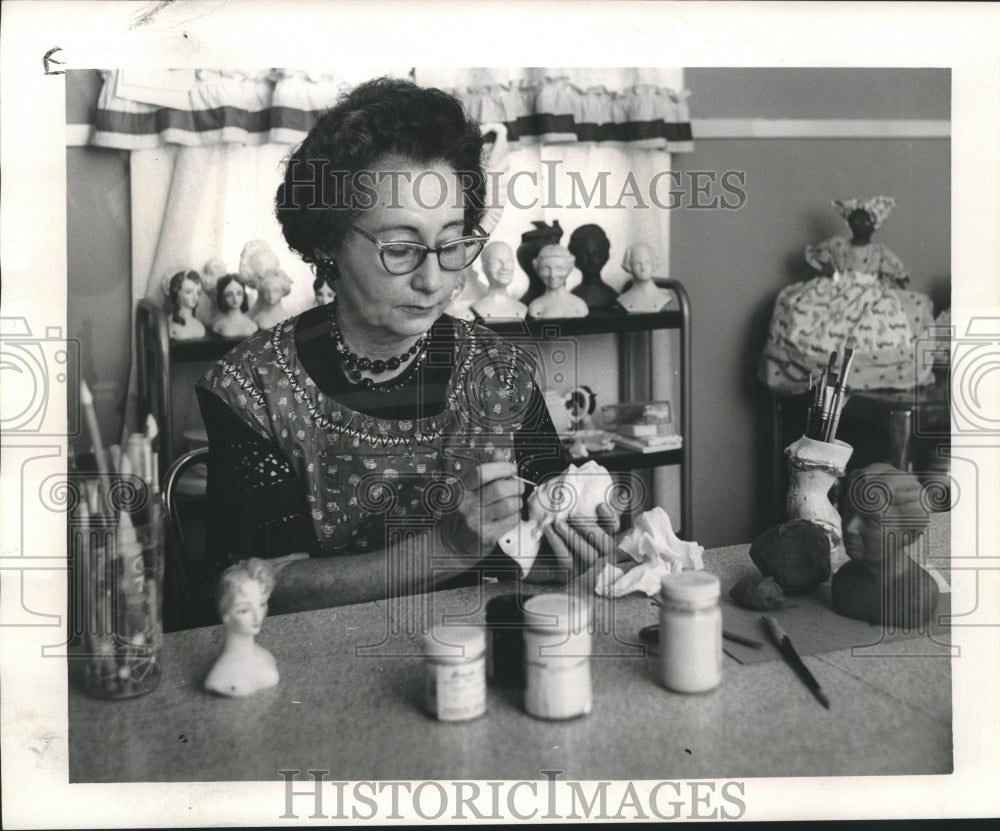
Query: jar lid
454	643
690	587
557	611
506	610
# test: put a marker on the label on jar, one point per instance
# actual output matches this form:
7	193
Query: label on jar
455	692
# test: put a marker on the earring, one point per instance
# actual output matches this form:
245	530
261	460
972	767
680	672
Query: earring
327	271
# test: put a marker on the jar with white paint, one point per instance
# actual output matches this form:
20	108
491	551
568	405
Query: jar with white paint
690	632
557	656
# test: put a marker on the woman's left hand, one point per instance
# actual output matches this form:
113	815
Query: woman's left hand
580	543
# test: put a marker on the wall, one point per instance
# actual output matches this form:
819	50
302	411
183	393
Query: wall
99	261
733	263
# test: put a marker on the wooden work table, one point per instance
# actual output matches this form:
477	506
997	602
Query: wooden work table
349	702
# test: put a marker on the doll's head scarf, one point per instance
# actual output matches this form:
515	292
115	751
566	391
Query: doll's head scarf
877	207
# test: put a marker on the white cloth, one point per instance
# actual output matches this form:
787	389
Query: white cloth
657	551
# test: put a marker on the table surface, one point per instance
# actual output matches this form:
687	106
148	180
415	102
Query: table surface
349	702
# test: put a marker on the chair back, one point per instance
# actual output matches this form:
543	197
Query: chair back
186	596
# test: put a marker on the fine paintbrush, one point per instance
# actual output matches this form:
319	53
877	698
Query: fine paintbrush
784	644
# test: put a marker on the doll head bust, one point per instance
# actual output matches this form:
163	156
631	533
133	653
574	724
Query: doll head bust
553	266
323	288
884	515
256	258
231	296
640	262
243	593
272	287
591	250
184	290
643	295
244	667
498	265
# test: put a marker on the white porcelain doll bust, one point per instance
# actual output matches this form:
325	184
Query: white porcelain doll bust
243	668
274	285
468	290
184	290
233	320
553	265
644	295
498	265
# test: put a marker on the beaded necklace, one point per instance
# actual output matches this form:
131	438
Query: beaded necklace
354	364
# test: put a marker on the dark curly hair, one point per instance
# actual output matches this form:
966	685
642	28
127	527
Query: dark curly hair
319	200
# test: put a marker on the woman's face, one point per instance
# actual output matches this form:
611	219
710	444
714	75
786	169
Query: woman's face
416	203
248	609
188	294
324	295
232	295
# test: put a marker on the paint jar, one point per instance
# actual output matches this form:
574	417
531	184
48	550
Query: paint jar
690	632
505	640
455	672
557	656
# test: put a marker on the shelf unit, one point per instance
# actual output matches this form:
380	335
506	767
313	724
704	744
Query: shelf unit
157	355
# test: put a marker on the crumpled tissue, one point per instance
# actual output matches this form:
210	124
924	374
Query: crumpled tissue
576	492
657	550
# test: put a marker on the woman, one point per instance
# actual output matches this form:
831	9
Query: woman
370	446
233	305
185	292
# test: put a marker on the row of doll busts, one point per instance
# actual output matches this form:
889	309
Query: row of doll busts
233	304
548	266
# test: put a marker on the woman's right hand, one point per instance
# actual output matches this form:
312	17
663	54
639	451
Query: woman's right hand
489	506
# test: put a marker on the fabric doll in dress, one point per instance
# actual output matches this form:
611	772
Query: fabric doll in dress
185	293
643	295
859	296
274	285
498	264
591	249
244	667
838	256
231	297
553	265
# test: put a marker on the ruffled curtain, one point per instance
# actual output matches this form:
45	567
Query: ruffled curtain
639	107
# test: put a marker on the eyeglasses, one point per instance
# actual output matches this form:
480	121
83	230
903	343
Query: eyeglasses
403	257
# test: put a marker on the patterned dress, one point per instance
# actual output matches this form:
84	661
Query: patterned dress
302	460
